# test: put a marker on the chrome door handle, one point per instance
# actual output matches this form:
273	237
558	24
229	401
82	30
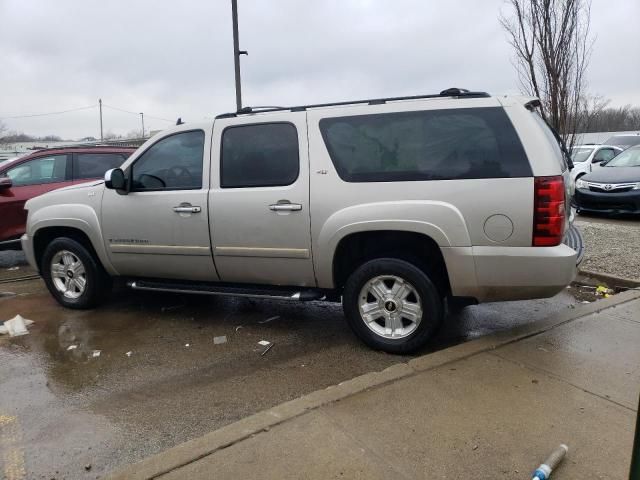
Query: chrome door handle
186	209
285	207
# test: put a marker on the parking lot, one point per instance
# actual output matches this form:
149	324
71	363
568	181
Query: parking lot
87	391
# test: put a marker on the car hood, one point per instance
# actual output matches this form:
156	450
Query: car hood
73	194
614	175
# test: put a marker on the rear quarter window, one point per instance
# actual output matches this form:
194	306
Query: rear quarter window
447	144
553	139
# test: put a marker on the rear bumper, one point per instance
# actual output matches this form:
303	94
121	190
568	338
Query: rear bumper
27	248
610	202
492	274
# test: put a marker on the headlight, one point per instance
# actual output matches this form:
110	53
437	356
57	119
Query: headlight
581	183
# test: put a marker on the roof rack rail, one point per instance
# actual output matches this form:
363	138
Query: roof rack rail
449	92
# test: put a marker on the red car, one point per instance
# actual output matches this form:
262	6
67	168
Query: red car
45	170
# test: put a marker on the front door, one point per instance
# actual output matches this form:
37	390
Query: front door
160	228
30	178
259	200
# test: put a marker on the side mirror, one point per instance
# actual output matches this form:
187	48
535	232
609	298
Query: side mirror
5	182
114	179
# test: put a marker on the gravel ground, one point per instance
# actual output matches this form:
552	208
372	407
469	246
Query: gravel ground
611	247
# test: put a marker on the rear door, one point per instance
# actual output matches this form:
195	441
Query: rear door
30	178
88	166
259	200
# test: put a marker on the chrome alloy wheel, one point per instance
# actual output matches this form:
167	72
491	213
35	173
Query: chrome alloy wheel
390	306
68	274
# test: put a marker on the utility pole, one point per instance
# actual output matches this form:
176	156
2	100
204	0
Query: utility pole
142	118
236	53
100	104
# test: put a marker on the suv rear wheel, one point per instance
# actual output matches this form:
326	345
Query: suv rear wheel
72	274
392	305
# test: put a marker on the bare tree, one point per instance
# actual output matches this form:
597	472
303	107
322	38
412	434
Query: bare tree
552	42
611	119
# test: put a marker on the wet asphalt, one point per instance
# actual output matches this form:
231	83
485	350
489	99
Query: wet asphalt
160	379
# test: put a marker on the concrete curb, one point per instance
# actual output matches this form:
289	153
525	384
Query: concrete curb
227	436
618	281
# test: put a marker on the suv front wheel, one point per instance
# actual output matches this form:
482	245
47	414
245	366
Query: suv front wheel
392	305
72	274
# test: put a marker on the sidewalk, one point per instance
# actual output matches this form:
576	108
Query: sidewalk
492	408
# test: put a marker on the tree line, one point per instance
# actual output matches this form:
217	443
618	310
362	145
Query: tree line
608	119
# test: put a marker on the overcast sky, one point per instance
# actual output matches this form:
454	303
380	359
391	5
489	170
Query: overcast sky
174	58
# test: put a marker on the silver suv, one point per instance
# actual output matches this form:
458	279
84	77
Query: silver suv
392	205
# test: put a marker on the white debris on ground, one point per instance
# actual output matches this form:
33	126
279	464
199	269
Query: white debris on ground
128	354
72	347
96	353
220	340
264	343
270	319
16	326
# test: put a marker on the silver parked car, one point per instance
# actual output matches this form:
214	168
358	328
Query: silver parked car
391	205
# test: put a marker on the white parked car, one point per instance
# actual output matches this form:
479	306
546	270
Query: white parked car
587	157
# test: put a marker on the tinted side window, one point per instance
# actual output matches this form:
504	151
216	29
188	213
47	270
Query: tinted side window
172	163
553	138
426	145
604	155
262	155
94	165
39	171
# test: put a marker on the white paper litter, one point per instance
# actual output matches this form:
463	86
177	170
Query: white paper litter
187	345
220	340
13	269
72	347
16	326
270	319
264	343
95	353
128	354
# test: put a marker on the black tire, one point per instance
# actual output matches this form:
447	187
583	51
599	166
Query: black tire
98	283
430	299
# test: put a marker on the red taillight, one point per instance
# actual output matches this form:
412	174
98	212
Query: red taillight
548	211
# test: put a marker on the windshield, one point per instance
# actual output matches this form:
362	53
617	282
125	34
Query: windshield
624	140
580	154
628	158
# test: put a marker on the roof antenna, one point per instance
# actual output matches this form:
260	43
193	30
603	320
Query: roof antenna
179	122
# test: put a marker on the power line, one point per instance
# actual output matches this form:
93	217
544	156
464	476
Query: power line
48	113
136	113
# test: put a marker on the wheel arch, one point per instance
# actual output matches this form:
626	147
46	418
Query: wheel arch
428	226
417	248
77	221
